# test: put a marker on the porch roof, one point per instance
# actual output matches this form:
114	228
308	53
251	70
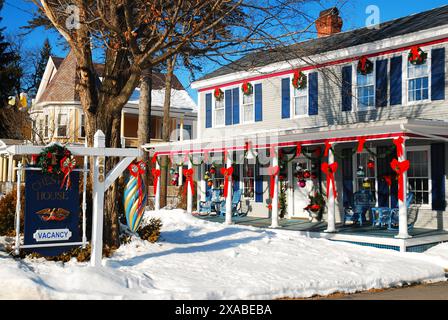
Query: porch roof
371	131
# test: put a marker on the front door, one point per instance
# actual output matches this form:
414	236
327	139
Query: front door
301	191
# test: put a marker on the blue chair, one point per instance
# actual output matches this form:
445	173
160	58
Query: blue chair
394	215
381	216
362	202
206	206
236	204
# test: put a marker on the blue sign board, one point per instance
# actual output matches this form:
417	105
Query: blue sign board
51	211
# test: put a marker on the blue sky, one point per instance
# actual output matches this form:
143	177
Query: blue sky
15	14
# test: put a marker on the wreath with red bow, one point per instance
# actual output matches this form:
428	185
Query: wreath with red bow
365	66
58	160
417	56
299	81
247	88
219	94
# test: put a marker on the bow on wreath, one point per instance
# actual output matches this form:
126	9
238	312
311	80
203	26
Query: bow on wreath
188	173
226	172
273	172
330	170
67	166
155	174
400	168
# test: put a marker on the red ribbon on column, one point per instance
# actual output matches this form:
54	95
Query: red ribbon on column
189	177
330	170
156	174
399	144
226	172
327	148
298	150
361	142
67	165
400	168
154	158
273	172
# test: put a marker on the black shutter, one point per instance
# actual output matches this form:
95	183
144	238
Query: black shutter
347	88
396	80
347	177
438	176
381	83
438	74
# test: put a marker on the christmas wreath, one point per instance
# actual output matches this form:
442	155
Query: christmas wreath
365	66
417	56
247	88
219	94
56	159
299	81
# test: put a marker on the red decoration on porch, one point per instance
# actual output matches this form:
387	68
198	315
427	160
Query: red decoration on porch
67	165
219	94
154	158
361	142
371	164
417	56
34	158
400	168
399	144
247	88
330	170
189	177
365	66
299	81
388	180
156	174
327	148
298	150
273	172
226	172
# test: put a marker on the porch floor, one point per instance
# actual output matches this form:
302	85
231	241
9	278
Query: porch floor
421	239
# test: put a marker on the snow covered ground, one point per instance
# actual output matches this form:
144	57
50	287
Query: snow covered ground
196	259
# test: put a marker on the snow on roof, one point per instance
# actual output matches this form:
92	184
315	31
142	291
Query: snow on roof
180	99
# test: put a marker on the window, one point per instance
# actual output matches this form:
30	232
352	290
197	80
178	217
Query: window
418	82
219	113
46	126
366	91
82	126
301	102
188	132
365	174
62	125
40	129
418	175
248	180
248	107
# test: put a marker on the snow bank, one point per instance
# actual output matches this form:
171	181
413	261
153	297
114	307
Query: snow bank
196	259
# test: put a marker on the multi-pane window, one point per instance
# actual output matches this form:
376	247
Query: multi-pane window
248	107
300	102
418	175
248	180
365	173
418	82
82	126
62	125
219	113
366	91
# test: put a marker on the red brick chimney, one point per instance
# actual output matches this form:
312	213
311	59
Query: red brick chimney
328	23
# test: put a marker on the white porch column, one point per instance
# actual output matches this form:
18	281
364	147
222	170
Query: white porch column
403	210
99	177
189	193
274	199
157	195
331	216
229	192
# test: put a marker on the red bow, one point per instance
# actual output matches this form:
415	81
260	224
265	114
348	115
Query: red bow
388	180
415	53
327	148
189	176
399	144
273	172
67	166
226	172
400	168
363	62
298	150
330	170
361	142
156	175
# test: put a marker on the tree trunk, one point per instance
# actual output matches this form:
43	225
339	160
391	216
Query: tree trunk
166	130
144	117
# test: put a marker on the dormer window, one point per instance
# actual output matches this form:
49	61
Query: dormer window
418	82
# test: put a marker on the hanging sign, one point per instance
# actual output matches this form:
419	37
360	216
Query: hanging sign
51	213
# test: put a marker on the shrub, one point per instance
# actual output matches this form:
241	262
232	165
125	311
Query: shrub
151	232
8	212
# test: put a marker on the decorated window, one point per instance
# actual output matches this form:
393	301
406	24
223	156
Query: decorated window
219	112
418	81
365	90
248	107
365	172
300	101
249	180
418	175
